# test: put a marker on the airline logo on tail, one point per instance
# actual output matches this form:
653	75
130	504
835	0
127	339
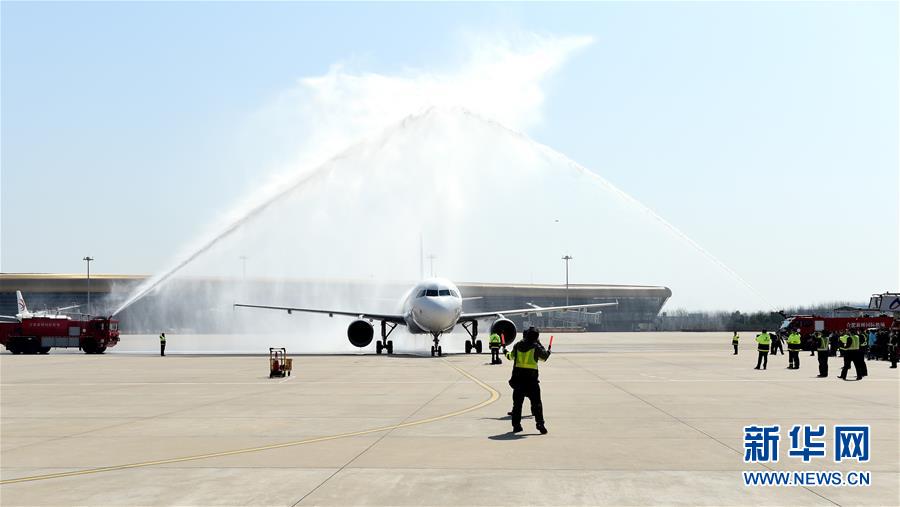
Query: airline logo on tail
21	301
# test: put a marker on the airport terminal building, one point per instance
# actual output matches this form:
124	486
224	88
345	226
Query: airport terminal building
637	309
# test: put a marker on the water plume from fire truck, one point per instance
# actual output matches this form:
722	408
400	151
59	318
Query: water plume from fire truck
491	204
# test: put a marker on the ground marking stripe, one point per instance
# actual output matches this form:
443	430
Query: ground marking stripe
494	396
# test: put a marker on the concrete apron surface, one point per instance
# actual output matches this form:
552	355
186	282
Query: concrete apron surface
634	419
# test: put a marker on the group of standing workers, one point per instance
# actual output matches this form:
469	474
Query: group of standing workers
852	344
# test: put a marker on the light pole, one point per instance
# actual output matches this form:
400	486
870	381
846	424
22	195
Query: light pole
88	260
567	258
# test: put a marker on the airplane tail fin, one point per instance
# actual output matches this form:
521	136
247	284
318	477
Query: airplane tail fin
20	300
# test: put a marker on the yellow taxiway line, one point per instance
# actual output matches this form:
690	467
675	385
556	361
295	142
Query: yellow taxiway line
494	396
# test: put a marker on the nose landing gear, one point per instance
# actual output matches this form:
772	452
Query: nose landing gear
436	348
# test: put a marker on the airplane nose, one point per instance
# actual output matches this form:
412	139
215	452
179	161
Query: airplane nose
435	314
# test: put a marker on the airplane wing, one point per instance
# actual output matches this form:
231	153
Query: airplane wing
388	317
9	318
523	311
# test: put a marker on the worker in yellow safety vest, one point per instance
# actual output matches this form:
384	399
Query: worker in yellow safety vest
734	342
795	345
822	350
859	357
763	342
525	355
494	344
849	347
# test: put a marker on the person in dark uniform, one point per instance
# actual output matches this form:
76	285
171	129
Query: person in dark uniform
849	346
525	355
859	356
162	344
894	347
777	343
822	349
763	342
734	342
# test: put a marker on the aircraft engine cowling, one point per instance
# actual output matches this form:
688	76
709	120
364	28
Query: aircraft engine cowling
505	328
360	333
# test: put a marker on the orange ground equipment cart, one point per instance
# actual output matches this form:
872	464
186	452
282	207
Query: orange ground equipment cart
279	364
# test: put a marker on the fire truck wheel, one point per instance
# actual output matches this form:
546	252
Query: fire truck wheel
89	347
101	349
45	350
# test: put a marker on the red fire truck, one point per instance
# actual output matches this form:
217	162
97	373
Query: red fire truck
34	335
809	324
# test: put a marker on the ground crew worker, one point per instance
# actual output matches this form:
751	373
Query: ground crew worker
525	355
849	346
859	357
734	342
795	345
777	343
894	347
864	343
162	344
763	342
494	344
822	349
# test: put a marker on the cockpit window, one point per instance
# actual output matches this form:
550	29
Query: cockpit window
444	292
454	293
431	292
421	293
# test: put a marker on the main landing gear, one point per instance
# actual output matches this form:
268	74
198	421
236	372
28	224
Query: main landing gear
384	344
474	343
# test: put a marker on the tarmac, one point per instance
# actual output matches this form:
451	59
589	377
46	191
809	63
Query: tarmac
634	419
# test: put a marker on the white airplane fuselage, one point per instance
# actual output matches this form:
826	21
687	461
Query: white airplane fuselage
433	306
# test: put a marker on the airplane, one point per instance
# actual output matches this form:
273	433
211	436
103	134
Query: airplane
433	306
23	312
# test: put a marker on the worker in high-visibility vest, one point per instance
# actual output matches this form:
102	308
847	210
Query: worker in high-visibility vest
734	342
162	344
849	346
822	349
525	355
763	342
795	345
859	357
894	347
494	344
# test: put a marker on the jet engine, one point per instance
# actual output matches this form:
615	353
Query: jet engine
360	333
505	328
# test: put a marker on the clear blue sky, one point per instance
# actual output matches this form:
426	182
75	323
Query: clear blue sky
767	131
